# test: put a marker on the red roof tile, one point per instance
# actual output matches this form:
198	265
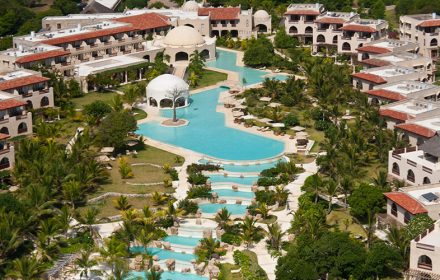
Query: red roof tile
303	12
358	28
229	13
10	103
406	202
375	62
430	23
330	20
89	35
390	95
4	136
146	21
395	114
369	77
23	81
41	56
373	49
416	129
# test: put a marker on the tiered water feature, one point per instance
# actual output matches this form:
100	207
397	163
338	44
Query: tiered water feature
242	156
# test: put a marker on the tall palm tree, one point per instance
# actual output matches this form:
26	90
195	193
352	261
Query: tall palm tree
72	192
281	195
346	186
263	210
400	241
88	220
381	180
330	188
274	238
250	232
84	265
25	268
113	252
313	184
207	248
145	236
223	218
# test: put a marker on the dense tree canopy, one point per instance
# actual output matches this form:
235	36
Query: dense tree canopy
114	128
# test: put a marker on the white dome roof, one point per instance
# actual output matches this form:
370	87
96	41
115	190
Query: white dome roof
261	14
161	86
190	6
183	36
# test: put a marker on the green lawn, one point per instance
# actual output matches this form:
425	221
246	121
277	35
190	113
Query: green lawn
107	209
339	218
225	268
210	78
139	114
93	96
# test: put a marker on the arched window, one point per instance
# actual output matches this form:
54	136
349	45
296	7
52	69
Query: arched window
394	209
308	30
234	33
181	56
424	262
396	169
190	25
29	105
44	101
426	181
346	47
410	176
320	38
434	42
205	54
407	217
293	30
335	39
4	163
153	102
365	56
261	28
4	130
22	128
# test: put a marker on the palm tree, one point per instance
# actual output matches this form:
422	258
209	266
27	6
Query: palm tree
281	195
25	268
250	233
398	184
121	203
346	186
381	180
313	184
330	188
145	236
159	198
88	220
84	264
173	212
113	252
400	241
274	237
263	209
72	192
223	218
208	247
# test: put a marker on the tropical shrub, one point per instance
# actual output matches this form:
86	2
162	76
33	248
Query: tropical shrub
188	206
202	191
125	169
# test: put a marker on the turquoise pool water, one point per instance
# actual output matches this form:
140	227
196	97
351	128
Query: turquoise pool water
237	180
182	240
212	208
257	168
164	254
227	60
167	275
206	132
231	193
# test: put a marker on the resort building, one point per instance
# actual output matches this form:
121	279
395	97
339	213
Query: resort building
358	32
401	208
416	165
7	152
401	111
209	21
161	89
385	46
400	90
299	20
367	79
424	261
423	29
28	86
14	118
326	30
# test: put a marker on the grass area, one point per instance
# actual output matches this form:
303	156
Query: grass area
343	220
42	6
210	78
297	158
270	220
143	174
226	274
93	96
107	209
139	114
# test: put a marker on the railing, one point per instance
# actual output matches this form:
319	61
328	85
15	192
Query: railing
397	157
93	45
65	63
107	43
79	48
412	163
411	179
427	169
425	247
22	130
426	266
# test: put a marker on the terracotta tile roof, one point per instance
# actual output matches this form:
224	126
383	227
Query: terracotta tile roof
416	129
303	12
375	62
395	114
23	81
406	202
382	93
373	49
146	21
430	23
4	136
358	28
41	56
369	77
229	13
10	103
330	20
88	35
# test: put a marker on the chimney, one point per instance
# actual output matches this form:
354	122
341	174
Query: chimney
434	15
32	34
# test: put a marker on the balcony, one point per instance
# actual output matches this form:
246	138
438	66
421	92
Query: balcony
65	63
4	166
79	48
426	266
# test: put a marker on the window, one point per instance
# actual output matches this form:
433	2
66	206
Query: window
424	262
396	169
394	209
410	176
407	217
58	25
